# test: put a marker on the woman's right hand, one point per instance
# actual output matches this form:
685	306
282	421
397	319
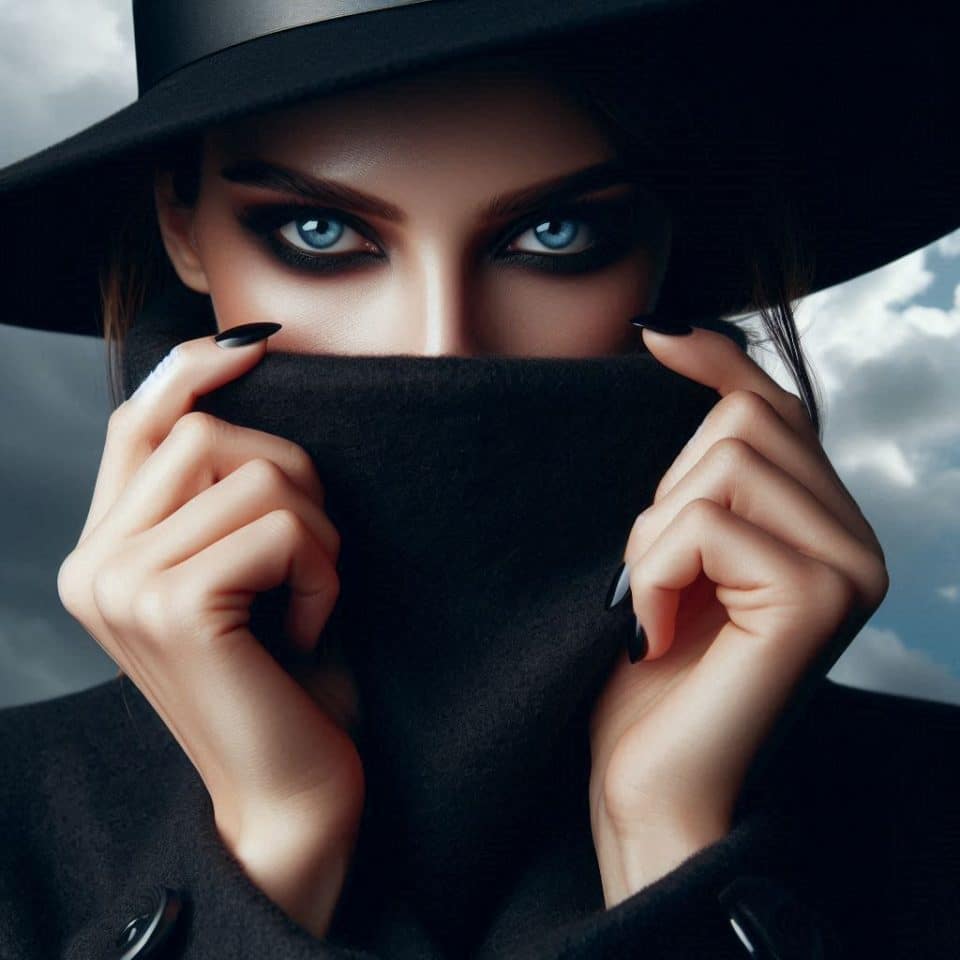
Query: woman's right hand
191	517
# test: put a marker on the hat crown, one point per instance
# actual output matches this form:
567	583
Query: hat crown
170	34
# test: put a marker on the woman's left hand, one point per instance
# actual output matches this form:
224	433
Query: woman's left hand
752	558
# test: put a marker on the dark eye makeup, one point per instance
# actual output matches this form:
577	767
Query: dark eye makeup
609	221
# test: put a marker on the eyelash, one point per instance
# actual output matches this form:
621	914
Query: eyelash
605	219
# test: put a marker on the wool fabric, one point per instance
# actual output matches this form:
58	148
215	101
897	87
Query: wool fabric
483	503
844	844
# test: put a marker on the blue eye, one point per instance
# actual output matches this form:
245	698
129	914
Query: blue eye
318	233
315	233
558	234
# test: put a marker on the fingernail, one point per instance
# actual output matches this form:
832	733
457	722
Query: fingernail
660	325
637	645
246	333
618	586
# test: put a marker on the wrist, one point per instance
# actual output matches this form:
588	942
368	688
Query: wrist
302	873
632	858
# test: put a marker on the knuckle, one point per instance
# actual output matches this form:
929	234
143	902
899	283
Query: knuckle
733	454
196	429
148	607
111	589
152	610
119	420
71	583
878	581
287	524
159	608
700	511
65	577
745	408
264	474
303	465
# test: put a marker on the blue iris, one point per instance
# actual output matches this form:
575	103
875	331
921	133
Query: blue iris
310	233
545	233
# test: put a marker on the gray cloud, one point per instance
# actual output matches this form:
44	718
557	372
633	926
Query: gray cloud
53	412
41	657
63	66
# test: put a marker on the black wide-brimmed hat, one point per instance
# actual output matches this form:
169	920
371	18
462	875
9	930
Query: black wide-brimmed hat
850	110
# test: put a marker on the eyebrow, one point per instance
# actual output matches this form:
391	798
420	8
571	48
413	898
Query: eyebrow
261	173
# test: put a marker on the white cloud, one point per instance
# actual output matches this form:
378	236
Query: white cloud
890	374
885	458
879	660
949	246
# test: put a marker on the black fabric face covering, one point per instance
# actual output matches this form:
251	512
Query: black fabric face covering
484	504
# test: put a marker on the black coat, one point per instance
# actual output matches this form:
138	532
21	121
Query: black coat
850	839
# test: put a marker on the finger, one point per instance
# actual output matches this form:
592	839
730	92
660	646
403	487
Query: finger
255	488
713	359
231	702
276	548
738	478
199	452
728	700
764	585
748	417
139	424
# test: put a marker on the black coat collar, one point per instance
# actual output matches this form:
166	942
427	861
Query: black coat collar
857	820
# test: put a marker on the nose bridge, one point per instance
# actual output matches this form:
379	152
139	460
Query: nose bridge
444	299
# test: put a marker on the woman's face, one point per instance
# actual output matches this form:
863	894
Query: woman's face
384	221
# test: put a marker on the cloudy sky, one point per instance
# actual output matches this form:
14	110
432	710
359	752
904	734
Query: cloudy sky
885	348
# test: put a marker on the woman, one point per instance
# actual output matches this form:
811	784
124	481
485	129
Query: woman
407	763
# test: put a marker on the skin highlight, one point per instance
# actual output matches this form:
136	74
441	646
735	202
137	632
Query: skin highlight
437	148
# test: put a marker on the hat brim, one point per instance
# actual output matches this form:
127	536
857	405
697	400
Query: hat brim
858	117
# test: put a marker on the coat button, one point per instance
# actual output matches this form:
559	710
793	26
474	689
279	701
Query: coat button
770	922
144	935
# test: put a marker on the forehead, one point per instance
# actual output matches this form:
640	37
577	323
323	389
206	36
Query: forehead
486	111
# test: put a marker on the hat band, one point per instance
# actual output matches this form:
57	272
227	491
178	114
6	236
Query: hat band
176	33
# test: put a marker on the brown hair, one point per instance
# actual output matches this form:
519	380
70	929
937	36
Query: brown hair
777	255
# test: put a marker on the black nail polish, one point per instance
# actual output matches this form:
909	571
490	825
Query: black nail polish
618	587
637	645
246	333
660	325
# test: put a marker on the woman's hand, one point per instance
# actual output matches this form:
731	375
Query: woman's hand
751	561
192	517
